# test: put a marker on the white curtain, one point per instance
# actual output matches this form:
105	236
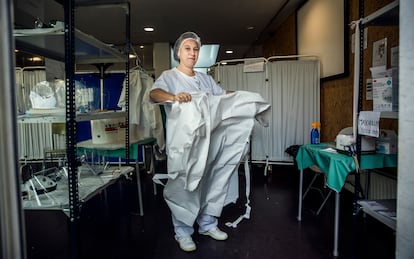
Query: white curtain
31	77
34	137
20	98
233	77
292	88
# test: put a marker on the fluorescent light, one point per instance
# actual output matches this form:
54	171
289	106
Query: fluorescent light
149	29
35	59
229	51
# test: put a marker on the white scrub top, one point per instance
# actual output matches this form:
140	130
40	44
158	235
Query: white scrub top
174	81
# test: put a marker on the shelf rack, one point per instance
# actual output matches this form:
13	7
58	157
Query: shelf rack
385	16
382	210
49	42
70	57
72	47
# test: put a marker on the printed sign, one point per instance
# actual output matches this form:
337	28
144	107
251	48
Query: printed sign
368	123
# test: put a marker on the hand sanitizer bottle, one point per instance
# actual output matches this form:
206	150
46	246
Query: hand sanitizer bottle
315	138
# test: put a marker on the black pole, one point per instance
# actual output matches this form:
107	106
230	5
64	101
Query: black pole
71	132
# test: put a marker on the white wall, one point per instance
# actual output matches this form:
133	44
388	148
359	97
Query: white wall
161	57
405	203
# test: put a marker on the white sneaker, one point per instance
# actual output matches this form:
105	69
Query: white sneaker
186	243
216	234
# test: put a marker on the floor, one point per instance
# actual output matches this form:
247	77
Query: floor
110	227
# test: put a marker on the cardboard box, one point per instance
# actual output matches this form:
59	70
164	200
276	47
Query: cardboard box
387	142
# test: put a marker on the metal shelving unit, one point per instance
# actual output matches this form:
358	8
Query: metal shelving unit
49	42
72	47
386	16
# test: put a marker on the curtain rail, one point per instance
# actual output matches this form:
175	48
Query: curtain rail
239	60
263	58
33	68
291	56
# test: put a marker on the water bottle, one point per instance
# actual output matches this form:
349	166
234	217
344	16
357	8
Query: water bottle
315	139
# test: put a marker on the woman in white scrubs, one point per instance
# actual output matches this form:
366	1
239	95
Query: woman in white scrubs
177	85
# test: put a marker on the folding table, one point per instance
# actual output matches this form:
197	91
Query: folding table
336	165
118	151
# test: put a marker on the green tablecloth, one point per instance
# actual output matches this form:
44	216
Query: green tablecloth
114	150
337	166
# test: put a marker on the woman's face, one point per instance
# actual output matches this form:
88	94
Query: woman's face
189	53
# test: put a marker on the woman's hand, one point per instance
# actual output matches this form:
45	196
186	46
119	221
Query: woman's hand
182	97
160	96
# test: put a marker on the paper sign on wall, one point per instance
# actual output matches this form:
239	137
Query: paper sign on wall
379	53
368	92
368	123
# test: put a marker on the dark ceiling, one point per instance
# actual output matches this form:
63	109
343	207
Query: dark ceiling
239	25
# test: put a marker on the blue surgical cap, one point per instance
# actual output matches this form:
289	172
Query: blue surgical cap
181	39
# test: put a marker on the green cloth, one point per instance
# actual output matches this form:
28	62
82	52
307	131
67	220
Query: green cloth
114	150
337	166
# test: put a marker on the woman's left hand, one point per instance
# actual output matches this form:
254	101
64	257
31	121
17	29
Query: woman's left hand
183	97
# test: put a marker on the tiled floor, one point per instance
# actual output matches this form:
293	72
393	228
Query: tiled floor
115	230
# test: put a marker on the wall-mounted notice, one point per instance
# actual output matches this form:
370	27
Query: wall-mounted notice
379	53
368	92
368	123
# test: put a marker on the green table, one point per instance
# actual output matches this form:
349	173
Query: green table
336	166
118	150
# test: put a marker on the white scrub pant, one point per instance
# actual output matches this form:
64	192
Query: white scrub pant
204	221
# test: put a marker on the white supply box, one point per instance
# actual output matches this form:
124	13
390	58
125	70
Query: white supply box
108	131
382	94
367	143
346	138
385	92
387	142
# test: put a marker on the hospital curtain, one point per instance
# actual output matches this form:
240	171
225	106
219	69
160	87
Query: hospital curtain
32	77
29	78
292	88
20	98
233	77
295	96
